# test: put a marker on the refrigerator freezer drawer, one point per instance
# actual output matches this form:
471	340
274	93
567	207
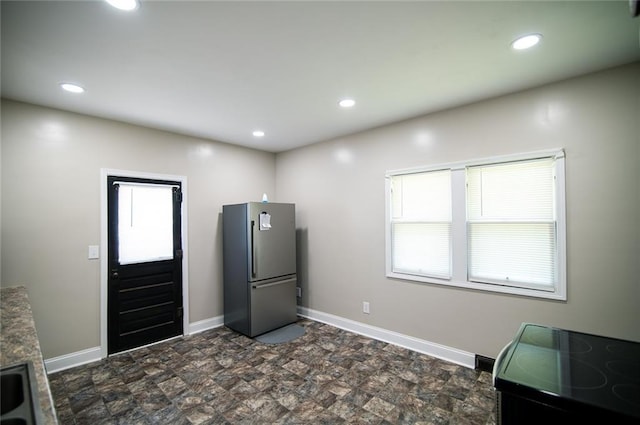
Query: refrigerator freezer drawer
273	305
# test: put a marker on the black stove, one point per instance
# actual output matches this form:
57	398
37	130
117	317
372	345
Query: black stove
548	373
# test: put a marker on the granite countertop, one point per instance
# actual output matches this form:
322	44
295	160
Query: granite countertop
19	343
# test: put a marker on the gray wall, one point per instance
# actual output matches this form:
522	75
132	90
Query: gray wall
51	163
339	190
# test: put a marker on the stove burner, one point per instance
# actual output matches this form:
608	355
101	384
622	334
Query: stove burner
553	367
626	351
628	392
561	371
627	369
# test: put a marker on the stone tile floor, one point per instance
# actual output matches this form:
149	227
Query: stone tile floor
326	376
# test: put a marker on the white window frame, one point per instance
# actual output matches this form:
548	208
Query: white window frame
459	259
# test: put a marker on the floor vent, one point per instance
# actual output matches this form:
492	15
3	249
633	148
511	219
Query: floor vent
484	363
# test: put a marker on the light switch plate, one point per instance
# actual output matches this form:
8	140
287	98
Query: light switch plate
94	252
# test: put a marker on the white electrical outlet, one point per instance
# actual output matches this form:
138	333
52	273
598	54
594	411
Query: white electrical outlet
365	307
298	292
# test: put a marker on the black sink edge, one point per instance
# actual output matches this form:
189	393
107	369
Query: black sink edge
30	409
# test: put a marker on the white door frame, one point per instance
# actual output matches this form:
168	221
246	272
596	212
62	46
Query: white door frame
104	266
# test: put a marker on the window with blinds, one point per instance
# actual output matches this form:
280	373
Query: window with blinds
421	223
145	223
496	224
511	226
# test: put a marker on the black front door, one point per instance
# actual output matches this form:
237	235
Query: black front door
145	262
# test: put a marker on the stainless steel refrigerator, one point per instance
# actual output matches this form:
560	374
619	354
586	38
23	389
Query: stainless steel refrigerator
259	244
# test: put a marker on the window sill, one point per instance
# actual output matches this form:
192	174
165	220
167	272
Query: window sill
559	294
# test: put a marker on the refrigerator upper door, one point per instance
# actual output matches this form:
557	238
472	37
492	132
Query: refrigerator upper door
273	240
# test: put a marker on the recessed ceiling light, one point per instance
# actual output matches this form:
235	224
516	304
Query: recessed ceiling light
526	41
124	4
72	88
258	133
347	103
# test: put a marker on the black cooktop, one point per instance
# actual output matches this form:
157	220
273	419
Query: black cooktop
570	369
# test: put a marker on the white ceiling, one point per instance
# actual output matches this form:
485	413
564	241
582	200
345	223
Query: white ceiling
220	70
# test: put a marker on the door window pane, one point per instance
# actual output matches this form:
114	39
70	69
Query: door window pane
145	223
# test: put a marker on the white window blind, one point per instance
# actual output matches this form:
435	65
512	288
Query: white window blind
145	223
494	224
421	223
511	223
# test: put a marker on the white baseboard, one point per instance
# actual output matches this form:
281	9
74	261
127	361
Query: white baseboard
443	352
68	361
449	354
206	324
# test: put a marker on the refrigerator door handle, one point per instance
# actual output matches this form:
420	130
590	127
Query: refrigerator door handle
267	285
253	250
